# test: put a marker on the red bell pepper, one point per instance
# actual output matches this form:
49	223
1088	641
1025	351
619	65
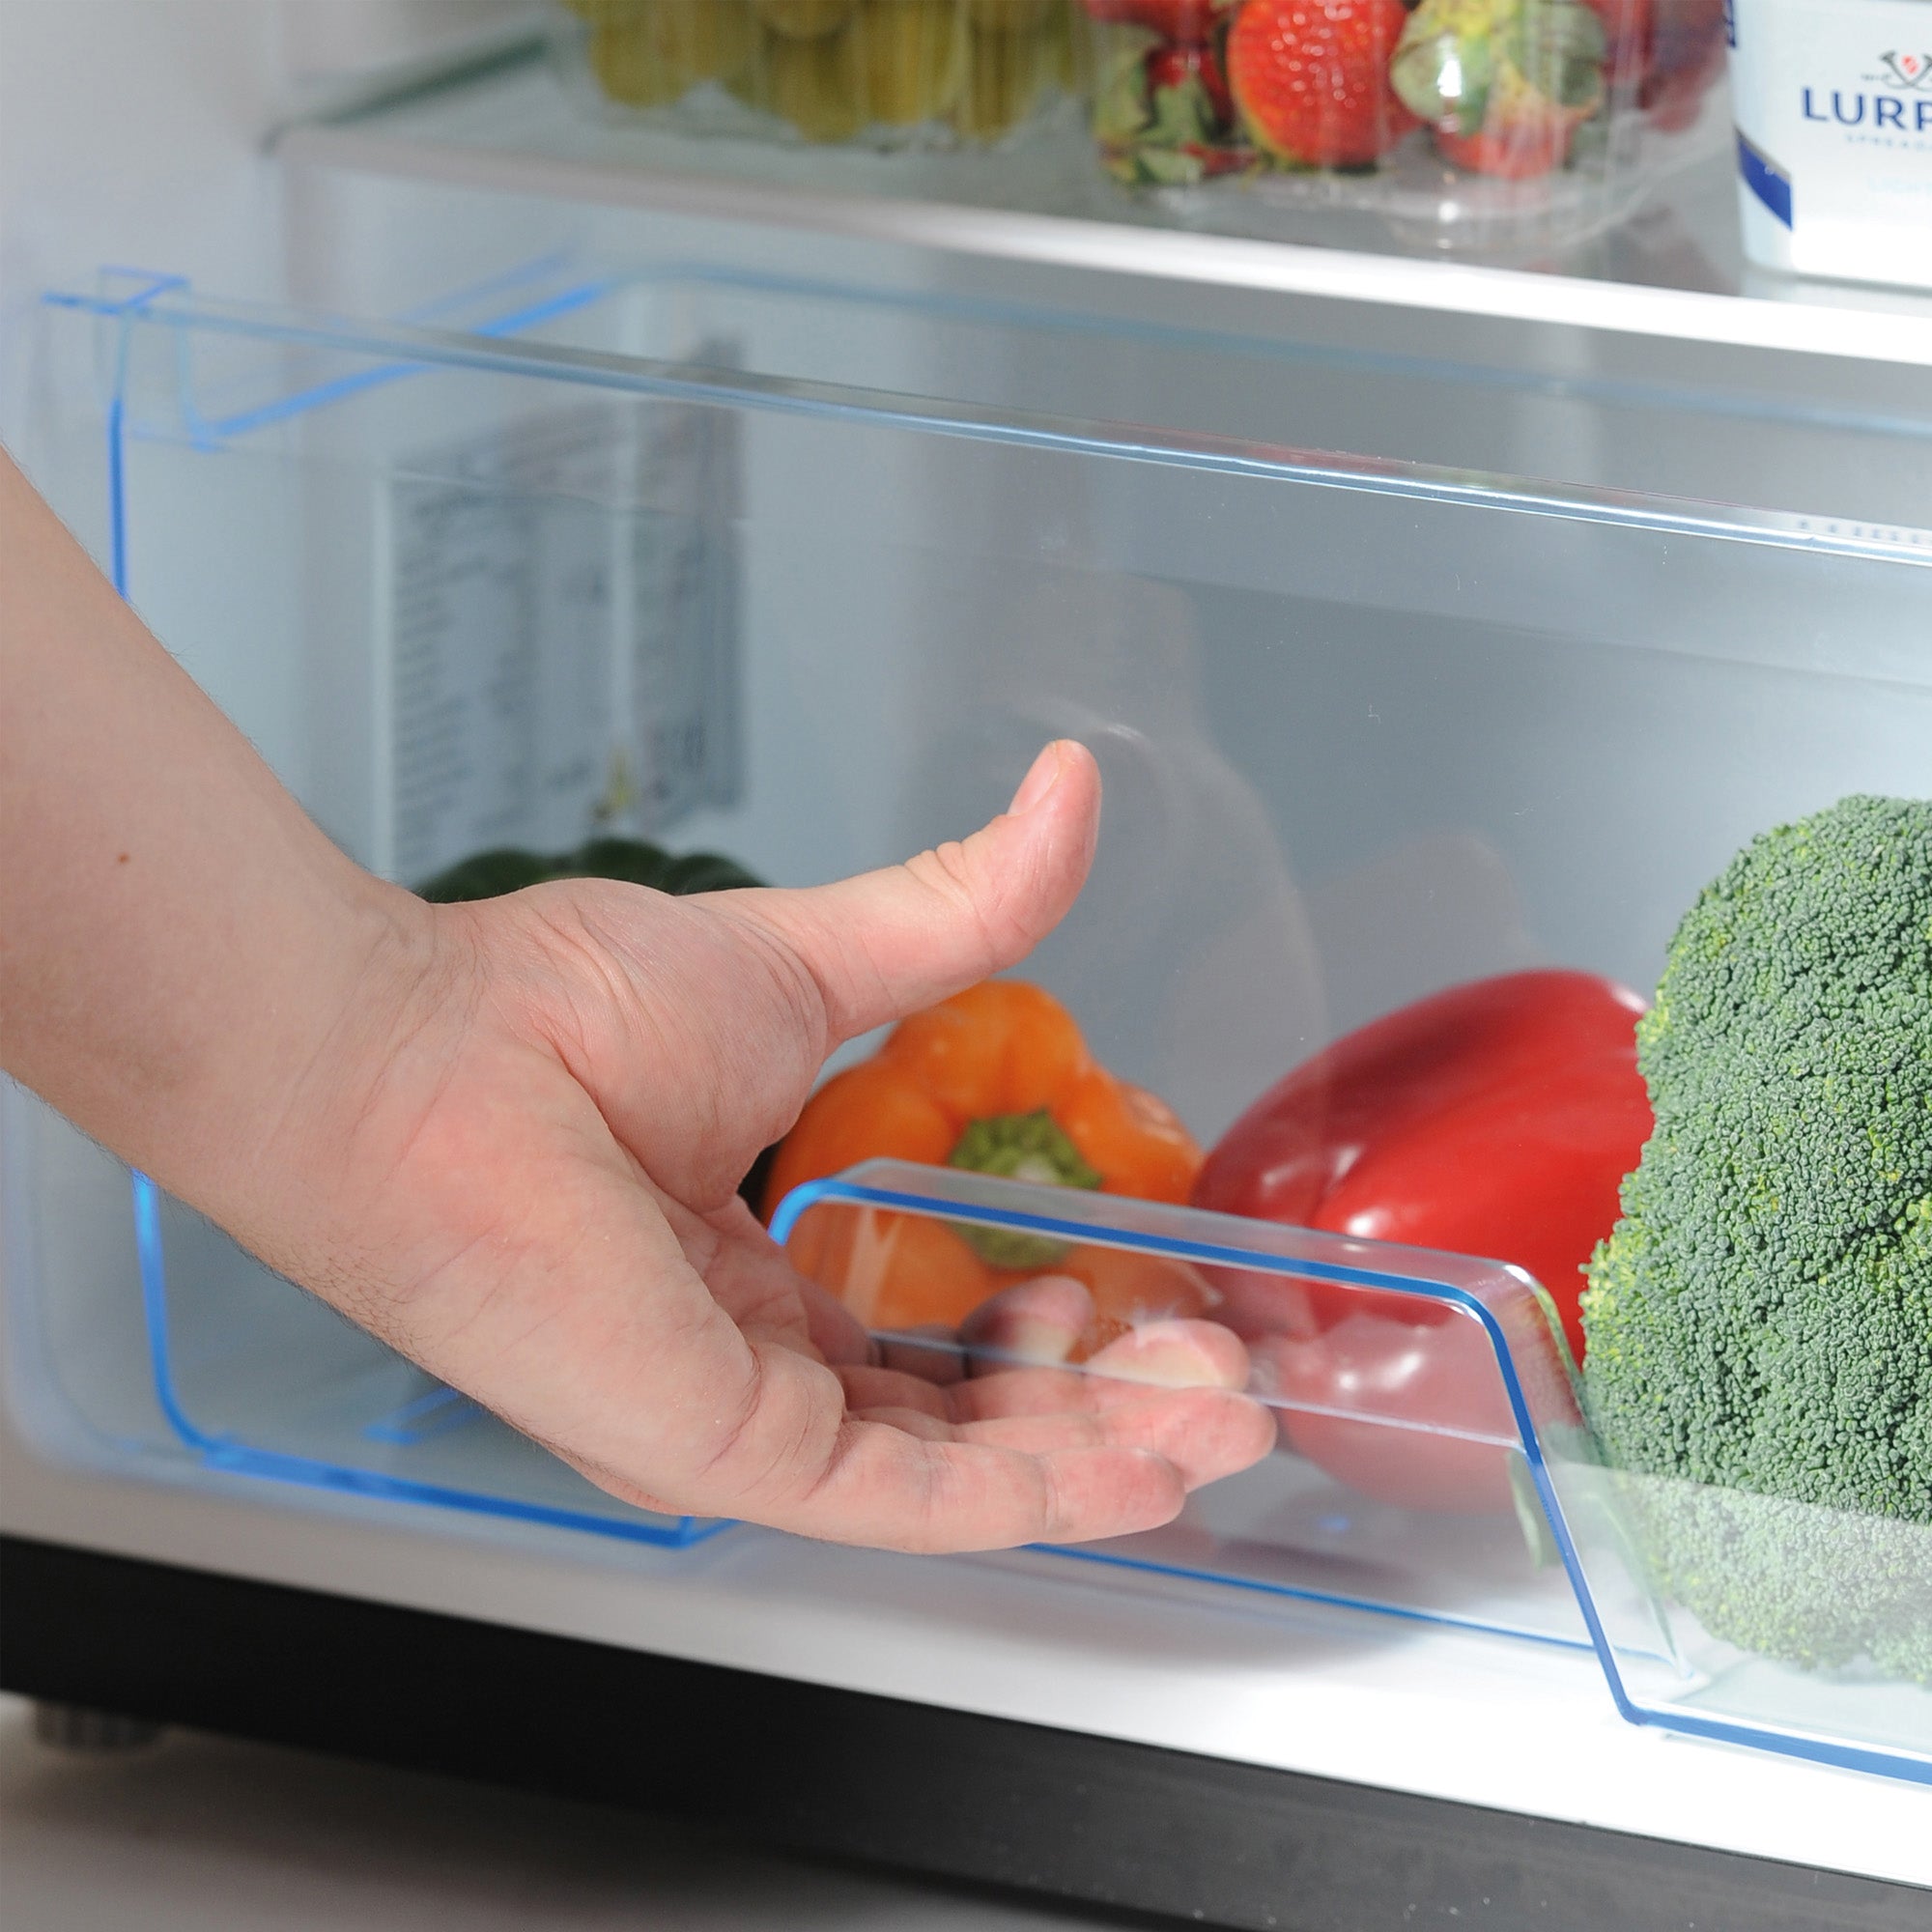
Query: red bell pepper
1496	1118
1436	1429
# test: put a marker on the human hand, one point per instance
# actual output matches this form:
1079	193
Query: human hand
518	1154
506	1137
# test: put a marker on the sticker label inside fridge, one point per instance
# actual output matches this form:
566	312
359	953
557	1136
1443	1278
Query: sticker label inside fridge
561	650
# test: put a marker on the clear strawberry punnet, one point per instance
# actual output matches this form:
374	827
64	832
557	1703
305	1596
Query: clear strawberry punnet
1480	122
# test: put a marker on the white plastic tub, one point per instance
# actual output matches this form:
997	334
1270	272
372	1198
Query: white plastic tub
1833	106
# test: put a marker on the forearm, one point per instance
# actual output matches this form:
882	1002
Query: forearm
178	942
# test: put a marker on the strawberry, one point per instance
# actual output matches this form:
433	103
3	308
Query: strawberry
1504	83
1311	80
1683	57
1188	23
1163	118
1627	34
1665	54
1192	71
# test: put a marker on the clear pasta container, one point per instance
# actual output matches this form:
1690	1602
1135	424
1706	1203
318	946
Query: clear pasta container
882	73
1438	124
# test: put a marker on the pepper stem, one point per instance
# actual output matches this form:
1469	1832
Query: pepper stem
1021	1146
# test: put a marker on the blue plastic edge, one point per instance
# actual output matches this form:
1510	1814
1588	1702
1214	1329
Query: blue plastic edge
1818	1751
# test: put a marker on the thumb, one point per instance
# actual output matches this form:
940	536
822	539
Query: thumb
890	943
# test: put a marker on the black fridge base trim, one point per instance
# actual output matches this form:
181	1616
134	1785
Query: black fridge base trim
862	1776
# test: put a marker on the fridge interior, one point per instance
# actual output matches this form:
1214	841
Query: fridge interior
648	542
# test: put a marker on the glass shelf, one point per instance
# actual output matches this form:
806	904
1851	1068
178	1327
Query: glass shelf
1675	270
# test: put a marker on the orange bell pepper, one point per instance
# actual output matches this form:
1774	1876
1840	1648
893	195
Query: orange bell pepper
891	1271
998	1080
964	1084
1129	1290
900	1271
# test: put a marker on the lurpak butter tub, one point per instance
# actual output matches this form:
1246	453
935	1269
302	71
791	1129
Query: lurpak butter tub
1833	106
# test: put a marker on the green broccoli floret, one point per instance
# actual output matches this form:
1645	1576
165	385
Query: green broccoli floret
1760	1319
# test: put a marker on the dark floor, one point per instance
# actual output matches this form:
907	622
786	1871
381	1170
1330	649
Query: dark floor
199	1835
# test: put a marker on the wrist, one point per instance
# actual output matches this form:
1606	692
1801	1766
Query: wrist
339	984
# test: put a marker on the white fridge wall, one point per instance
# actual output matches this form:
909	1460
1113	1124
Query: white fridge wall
326	41
131	132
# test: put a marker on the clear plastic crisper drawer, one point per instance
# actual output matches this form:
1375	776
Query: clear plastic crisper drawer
804	576
1432	1463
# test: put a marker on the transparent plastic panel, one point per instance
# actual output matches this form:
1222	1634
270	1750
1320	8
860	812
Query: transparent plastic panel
1432	1462
1783	1621
1405	1383
1350	659
1844	442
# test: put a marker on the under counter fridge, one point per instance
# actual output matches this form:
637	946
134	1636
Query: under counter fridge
1436	625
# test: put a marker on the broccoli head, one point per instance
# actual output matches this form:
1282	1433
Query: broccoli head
1760	1319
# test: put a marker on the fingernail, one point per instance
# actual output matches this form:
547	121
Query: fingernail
1032	1340
1040	780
